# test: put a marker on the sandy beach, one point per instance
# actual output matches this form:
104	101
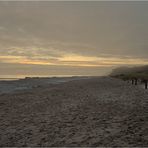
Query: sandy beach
99	111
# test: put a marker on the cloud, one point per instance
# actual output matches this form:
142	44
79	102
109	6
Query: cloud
78	34
40	57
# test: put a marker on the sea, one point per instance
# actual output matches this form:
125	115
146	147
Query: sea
9	83
17	77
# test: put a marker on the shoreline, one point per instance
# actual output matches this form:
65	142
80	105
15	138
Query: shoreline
10	86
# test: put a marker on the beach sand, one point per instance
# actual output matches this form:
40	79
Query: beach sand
99	111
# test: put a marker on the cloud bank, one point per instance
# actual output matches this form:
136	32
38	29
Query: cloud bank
72	36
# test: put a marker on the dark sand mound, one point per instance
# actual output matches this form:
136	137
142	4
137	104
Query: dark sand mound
93	112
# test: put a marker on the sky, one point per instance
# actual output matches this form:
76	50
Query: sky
72	38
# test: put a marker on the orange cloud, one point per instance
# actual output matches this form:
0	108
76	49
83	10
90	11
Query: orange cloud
74	60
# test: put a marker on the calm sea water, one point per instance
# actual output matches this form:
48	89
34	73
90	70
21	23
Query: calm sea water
17	77
8	79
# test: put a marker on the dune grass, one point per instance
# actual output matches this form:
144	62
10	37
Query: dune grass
134	78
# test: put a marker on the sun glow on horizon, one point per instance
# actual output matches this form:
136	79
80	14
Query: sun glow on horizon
74	60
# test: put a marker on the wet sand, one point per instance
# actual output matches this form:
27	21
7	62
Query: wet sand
99	111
